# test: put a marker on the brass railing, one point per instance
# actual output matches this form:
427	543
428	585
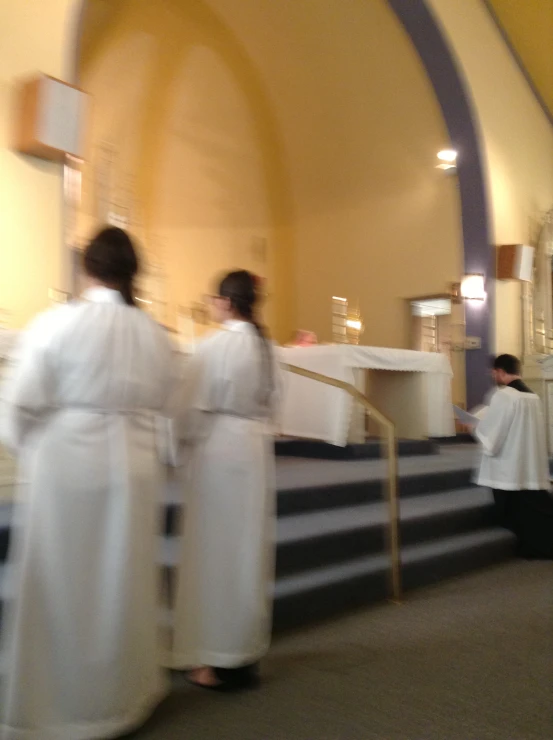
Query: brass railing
390	447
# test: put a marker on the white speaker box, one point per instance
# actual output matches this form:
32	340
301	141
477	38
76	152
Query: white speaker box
50	118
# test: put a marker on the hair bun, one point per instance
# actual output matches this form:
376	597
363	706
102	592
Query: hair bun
111	258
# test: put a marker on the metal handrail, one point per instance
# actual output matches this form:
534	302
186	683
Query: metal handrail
390	446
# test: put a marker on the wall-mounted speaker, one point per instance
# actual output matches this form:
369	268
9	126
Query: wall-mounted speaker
515	262
50	118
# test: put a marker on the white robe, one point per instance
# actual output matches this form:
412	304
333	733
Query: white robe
80	636
514	449
223	606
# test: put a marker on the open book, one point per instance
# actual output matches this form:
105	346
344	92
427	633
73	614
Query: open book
470	418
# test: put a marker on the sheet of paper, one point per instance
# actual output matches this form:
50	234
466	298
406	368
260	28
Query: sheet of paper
479	411
469	420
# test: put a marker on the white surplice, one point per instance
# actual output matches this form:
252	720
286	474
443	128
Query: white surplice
80	637
223	604
513	440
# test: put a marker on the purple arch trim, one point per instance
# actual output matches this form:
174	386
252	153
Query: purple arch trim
454	100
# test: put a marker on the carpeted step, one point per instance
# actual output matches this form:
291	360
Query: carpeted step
458	439
369	450
320	592
331	524
306	499
315	498
331	496
310	540
307	597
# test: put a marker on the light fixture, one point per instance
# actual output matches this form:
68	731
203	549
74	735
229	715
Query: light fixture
448	161
473	288
448	155
355	324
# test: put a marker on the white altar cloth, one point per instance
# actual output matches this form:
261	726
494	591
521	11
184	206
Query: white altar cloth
316	411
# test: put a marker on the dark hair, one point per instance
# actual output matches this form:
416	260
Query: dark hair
508	363
241	289
111	258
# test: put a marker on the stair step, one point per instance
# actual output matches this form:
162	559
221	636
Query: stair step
331	496
326	497
319	524
322	593
308	541
311	539
413	555
369	450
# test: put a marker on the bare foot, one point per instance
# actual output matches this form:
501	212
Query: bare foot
204	676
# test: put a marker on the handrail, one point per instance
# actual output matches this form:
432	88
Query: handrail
391	448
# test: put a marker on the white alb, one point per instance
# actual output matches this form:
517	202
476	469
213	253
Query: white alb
79	410
223	607
514	449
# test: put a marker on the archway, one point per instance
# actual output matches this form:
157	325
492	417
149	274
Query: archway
313	216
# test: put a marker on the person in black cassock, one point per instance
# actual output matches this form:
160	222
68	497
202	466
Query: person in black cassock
515	464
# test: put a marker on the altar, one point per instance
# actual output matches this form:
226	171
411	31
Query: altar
412	388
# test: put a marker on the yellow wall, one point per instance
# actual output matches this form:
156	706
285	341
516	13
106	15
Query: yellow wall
336	130
529	25
375	221
517	142
36	36
317	131
196	151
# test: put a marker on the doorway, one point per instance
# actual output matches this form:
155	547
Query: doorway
438	325
431	325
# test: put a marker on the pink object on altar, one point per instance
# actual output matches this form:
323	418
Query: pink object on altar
304	338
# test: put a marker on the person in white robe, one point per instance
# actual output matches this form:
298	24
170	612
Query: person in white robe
223	605
515	463
81	652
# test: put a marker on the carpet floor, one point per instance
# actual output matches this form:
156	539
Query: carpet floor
471	659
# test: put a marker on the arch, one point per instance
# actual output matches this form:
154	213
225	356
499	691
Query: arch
453	99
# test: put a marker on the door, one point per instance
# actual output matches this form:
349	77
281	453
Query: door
437	325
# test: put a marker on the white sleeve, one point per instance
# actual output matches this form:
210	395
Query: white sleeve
493	429
27	391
